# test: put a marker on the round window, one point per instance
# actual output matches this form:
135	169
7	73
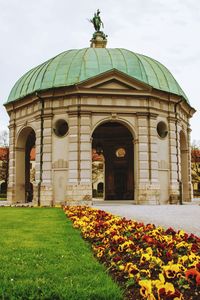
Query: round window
61	128
162	129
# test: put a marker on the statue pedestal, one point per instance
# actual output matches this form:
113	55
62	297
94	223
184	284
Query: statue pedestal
98	40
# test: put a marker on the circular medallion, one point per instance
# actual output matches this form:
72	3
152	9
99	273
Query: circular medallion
120	152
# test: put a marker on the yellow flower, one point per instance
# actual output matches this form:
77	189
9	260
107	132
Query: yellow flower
144	257
100	253
181	233
125	246
149	251
116	238
168	238
146	289
155	261
182	244
192	257
166	287
172	270
143	273
183	259
121	268
131	269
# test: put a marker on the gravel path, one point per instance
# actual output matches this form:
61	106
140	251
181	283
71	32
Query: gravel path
186	217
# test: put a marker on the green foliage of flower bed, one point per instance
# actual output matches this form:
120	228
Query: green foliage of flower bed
43	257
149	262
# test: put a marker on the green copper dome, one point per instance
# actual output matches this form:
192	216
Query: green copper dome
74	66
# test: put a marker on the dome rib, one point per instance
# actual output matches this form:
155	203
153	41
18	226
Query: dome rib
77	65
150	72
41	72
49	64
36	74
141	68
33	72
17	86
97	59
83	64
71	62
159	66
111	61
122	54
57	67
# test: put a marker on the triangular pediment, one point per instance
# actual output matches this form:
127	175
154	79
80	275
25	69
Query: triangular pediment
113	84
114	80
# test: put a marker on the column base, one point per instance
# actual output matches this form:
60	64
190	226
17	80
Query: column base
79	194
46	195
11	194
148	194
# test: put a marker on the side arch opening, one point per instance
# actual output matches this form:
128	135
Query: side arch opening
25	165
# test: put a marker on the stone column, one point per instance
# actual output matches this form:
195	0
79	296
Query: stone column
79	187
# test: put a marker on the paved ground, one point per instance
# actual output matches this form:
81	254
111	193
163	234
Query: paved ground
186	217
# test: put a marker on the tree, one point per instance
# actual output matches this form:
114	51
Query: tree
195	157
4	138
4	157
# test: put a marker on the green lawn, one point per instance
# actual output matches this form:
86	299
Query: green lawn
43	257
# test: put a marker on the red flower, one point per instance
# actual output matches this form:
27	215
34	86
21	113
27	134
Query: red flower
198	267
194	248
170	230
193	274
148	239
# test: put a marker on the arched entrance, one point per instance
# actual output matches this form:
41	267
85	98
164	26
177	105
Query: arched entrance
114	142
25	164
184	167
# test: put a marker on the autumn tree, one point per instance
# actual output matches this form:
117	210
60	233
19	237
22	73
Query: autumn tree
4	157
195	158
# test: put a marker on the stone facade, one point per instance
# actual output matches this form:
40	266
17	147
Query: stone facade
64	164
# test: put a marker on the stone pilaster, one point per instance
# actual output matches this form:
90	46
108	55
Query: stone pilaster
190	191
173	161
46	197
43	161
79	187
37	161
148	189
11	177
153	153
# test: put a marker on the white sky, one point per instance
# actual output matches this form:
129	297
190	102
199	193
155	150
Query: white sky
33	31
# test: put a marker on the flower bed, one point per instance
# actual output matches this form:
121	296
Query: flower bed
149	262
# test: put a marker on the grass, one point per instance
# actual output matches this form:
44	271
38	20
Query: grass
43	257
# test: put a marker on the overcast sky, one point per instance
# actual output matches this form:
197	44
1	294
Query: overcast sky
33	31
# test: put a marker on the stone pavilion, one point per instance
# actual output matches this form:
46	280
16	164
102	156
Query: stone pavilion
105	124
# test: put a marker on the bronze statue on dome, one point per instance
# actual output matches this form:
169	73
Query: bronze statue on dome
96	21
